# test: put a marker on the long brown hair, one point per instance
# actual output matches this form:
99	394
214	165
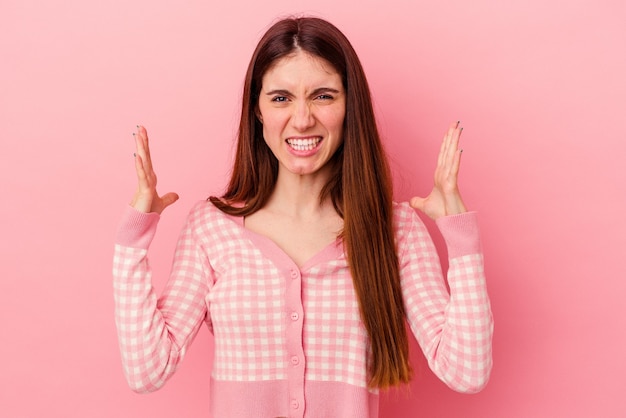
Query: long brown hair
359	186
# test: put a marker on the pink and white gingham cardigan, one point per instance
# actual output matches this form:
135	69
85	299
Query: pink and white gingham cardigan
289	341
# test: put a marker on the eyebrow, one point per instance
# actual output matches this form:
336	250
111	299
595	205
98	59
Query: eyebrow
318	90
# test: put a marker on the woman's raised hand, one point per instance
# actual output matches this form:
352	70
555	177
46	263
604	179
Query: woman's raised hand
146	198
445	198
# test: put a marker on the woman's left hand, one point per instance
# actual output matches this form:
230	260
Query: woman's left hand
445	198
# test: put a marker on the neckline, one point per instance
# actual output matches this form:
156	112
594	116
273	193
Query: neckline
271	250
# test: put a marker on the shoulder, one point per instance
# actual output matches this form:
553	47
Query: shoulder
408	227
405	217
402	212
204	212
206	220
203	208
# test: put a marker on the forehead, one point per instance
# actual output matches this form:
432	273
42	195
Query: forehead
301	68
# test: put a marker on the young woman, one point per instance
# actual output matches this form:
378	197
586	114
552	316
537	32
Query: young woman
305	270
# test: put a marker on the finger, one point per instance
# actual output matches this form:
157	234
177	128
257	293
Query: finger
442	158
442	151
417	203
140	158
142	135
143	182
454	169
449	135
139	145
168	199
451	149
445	144
456	160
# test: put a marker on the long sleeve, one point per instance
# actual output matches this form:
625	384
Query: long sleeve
454	328
154	333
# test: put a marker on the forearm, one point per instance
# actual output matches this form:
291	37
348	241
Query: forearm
461	355
154	333
453	327
148	355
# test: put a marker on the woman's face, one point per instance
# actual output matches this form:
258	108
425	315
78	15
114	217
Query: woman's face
302	106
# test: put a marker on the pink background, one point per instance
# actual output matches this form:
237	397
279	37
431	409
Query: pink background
539	86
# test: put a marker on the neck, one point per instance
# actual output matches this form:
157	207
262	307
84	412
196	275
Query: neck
297	195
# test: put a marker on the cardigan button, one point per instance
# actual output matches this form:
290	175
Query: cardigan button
295	404
295	360
294	274
294	316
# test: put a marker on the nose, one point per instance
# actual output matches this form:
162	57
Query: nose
302	118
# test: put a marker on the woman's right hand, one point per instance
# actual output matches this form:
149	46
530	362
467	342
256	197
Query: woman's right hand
146	198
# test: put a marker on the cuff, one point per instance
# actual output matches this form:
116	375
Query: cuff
461	234
137	228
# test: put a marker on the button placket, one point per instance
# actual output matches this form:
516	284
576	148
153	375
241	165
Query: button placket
295	349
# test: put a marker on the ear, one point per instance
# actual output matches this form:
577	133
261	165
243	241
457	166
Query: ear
258	114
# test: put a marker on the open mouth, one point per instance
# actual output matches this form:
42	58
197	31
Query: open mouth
304	144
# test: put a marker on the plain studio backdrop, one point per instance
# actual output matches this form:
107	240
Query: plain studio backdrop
538	85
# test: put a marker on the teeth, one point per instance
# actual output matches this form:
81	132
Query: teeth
304	144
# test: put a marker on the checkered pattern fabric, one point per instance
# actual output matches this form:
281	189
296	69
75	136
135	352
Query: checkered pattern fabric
277	324
454	329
